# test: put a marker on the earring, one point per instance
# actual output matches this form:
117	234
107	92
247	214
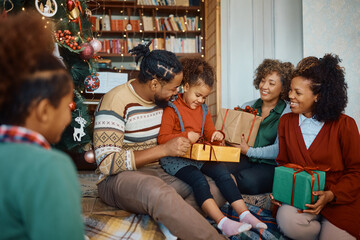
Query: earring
315	100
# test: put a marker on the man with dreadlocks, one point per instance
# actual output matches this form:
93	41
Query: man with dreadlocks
127	124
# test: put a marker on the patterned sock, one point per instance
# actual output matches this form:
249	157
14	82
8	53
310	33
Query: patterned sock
247	217
230	227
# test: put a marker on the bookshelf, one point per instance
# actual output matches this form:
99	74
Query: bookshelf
176	28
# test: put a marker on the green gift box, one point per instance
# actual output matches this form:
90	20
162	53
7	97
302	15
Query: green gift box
304	180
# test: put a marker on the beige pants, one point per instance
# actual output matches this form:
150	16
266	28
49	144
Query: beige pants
150	190
308	226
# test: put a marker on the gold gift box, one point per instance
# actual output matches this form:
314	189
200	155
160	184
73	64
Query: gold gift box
204	152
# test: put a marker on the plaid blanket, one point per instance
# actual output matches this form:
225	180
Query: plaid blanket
121	225
263	214
105	222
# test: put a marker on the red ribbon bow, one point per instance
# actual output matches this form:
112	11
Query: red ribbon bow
309	170
207	143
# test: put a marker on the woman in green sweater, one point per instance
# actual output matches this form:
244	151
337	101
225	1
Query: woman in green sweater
40	195
255	172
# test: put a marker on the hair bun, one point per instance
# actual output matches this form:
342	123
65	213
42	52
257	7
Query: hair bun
330	61
141	50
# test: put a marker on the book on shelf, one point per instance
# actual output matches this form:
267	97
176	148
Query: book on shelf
178	23
168	24
156	43
148	23
106	26
184	3
135	24
132	42
117	25
181	45
173	24
116	46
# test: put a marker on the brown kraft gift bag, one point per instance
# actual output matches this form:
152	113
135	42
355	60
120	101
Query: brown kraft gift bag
234	123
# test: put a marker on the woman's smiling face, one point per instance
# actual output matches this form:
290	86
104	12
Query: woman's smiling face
302	98
270	87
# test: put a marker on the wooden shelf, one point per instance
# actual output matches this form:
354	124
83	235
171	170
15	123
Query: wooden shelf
102	6
120	13
144	33
128	55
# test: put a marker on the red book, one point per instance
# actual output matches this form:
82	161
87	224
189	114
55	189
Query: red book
120	25
113	25
93	23
135	24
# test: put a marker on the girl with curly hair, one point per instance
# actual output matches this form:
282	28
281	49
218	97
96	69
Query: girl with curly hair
188	117
255	172
318	134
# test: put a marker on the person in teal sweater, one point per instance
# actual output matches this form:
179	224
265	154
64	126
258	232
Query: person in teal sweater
40	196
255	172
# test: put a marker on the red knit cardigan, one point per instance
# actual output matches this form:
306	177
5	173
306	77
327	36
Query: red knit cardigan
337	147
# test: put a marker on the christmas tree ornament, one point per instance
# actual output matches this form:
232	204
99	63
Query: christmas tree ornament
74	14
92	83
5	9
72	106
79	132
70	5
47	10
87	52
96	44
89	156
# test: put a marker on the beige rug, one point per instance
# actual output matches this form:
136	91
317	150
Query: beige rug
88	180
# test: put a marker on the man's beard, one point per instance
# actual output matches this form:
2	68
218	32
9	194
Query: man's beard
163	103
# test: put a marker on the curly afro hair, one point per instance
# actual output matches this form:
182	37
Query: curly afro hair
197	71
20	47
327	79
30	72
284	69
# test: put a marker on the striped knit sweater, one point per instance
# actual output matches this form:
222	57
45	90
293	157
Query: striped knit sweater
124	122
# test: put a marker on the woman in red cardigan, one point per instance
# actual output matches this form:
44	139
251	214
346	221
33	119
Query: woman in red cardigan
318	134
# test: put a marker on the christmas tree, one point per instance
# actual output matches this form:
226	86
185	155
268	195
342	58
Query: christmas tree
69	19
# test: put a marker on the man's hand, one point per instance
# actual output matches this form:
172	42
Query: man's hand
324	198
177	147
193	136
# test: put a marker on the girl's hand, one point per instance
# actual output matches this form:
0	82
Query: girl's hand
324	198
243	145
217	136
193	136
273	201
